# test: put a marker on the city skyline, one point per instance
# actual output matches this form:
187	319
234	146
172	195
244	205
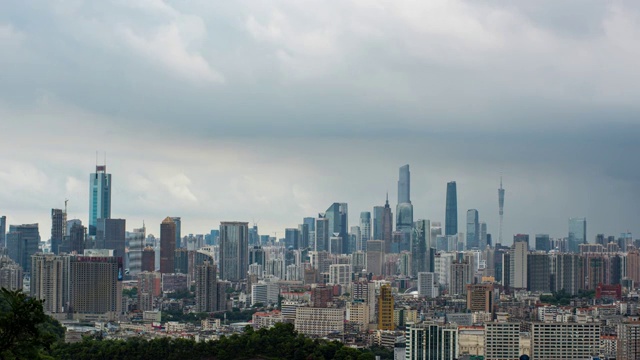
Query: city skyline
232	112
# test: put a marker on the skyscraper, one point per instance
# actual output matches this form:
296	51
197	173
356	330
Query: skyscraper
338	217
111	234
473	229
50	281
519	264
178	221
206	288
543	242
421	247
22	242
365	229
58	228
3	231
322	233
577	233
99	197
387	226
500	208
404	185
378	214
96	286
234	250
167	245
404	208
385	308
451	211
292	238
136	243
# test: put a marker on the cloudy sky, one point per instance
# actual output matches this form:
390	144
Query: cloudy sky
269	111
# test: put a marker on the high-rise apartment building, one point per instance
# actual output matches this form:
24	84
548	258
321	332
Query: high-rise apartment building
206	288
99	197
148	259
459	277
10	273
50	281
473	229
58	228
22	242
167	245
149	287
385	308
567	341
501	341
628	346
567	273
538	272
340	274
428	284
375	256
431	341
518	265
96	286
577	234
234	250
136	244
178	221
451	212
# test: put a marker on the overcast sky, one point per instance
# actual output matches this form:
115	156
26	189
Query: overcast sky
269	111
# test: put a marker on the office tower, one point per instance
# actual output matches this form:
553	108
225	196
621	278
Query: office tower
136	243
178	222
387	226
567	271
404	208
567	341
111	234
291	238
451	212
482	238
378	214
431	341
365	229
538	272
501	340
303	230
480	297
99	197
148	259
459	277
337	214
504	269
421	253
355	239
254	237
543	243
601	239
628	346
149	288
50	281
473	229
234	248
577	233
58	227
181	261
10	273
385	308
518	265
404	185
428	284
76	239
167	245
3	231
22	242
206	288
500	208
375	256
96	286
335	245
257	255
322	234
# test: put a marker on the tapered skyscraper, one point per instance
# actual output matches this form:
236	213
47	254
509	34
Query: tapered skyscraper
500	208
451	212
404	185
99	197
404	209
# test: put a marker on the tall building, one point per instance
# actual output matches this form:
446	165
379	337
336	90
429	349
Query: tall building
385	308
518	265
292	238
473	229
319	322
178	221
451	212
577	233
338	216
167	245
365	229
375	256
234	249
421	254
404	208
148	259
149	288
206	288
428	284
543	243
50	281
322	234
303	230
567	341
99	197
10	273
480	297
538	272
459	277
628	347
482	237
3	231
96	286
387	226
431	341
567	270
58	228
501	341
22	242
75	241
378	214
111	234
136	244
500	209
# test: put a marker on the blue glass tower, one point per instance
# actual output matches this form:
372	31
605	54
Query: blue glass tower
451	212
99	197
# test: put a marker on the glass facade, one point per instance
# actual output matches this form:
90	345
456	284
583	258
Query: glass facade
451	213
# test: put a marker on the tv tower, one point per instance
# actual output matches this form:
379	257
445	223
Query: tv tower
500	208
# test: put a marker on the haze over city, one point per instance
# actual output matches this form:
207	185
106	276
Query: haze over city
269	112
